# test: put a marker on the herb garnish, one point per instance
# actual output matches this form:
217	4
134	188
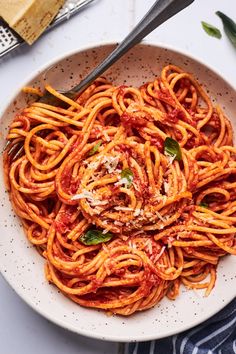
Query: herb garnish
229	27
172	148
211	30
128	175
203	205
94	237
95	148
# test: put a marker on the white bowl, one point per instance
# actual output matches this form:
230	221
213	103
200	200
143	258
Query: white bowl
22	266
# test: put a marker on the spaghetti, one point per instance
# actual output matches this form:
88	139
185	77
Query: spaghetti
121	217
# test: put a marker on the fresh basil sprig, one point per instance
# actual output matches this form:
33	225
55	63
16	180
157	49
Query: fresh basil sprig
95	148
172	148
229	27
211	30
127	174
94	237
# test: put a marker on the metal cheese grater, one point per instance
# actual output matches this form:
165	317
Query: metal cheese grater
9	40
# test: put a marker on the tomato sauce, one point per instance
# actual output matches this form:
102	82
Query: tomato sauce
164	95
129	120
63	222
158	142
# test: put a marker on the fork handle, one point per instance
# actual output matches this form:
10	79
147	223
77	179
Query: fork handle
161	11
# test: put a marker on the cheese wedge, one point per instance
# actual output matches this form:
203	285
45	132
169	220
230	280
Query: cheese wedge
29	18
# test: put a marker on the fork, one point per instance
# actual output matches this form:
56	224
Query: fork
160	12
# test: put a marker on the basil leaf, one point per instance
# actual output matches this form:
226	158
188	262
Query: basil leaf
95	148
211	30
172	148
203	205
229	27
94	237
128	175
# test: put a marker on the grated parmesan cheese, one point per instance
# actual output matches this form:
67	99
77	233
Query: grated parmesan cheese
98	202
133	107
118	223
123	208
160	216
166	187
132	245
84	195
91	199
97	210
110	162
123	181
105	231
106	136
159	254
149	246
169	242
94	164
107	262
170	158
137	212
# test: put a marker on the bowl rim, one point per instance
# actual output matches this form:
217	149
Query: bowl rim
3	111
94	45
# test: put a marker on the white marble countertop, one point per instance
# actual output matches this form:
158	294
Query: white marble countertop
21	329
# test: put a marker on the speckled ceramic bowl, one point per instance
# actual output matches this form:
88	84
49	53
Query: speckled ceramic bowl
22	266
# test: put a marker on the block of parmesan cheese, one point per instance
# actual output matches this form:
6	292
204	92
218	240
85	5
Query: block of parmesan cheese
29	18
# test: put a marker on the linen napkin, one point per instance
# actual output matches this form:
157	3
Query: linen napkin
217	335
